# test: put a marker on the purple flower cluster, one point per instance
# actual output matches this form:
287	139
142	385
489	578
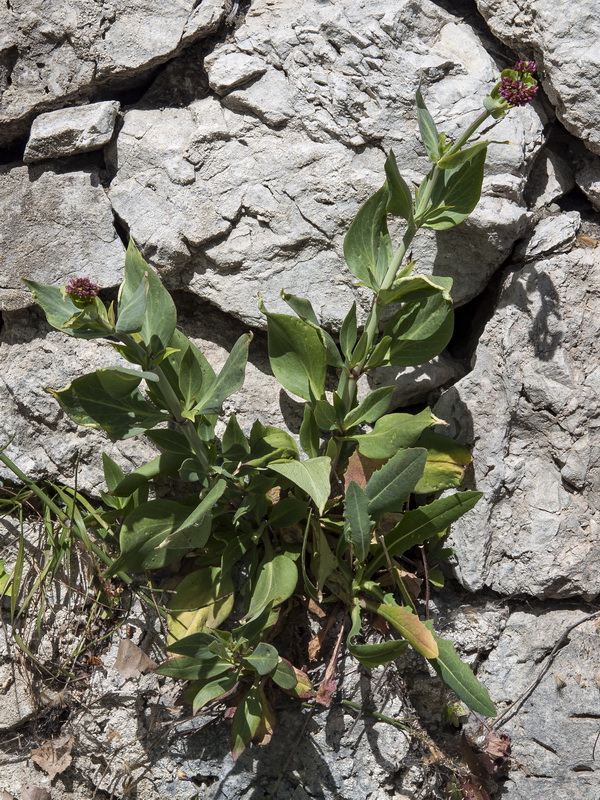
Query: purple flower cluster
517	92
525	66
82	290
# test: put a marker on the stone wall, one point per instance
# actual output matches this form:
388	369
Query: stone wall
235	141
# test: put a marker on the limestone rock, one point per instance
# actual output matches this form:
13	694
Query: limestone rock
551	177
56	226
283	161
71	130
53	57
551	235
554	730
561	44
530	409
588	179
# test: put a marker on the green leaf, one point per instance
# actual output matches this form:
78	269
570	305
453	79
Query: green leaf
460	678
287	512
189	669
229	380
268	443
61	310
256	628
325	415
170	441
284	675
363	240
191	532
446	462
419	331
297	355
246	721
312	476
400	201
416	287
276	582
309	432
213	690
389	487
203	599
416	633
194	646
462	156
172	363
306	312
164	464
325	561
375	404
349	332
131	313
456	193
263	659
113	474
357	530
428	129
422	523
5	579
373	655
160	316
235	446
108	399
394	432
143	531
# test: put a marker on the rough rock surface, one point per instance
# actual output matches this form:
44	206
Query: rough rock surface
562	44
52	57
554	729
529	408
71	130
234	203
251	134
56	225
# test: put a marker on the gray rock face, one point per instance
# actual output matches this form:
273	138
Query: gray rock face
50	57
56	226
71	130
555	729
561	43
256	191
529	409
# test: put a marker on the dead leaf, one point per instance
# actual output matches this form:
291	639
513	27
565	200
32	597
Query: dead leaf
132	661
6	796
54	756
328	686
315	644
360	469
34	793
315	609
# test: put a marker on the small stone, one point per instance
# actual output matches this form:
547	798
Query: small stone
71	130
227	71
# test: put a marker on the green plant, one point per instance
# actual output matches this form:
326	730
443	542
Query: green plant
262	521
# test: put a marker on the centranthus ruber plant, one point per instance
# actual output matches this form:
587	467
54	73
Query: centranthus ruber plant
329	520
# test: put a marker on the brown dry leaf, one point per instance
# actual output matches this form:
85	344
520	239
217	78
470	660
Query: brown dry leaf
315	609
54	756
132	661
6	796
34	793
360	469
315	644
